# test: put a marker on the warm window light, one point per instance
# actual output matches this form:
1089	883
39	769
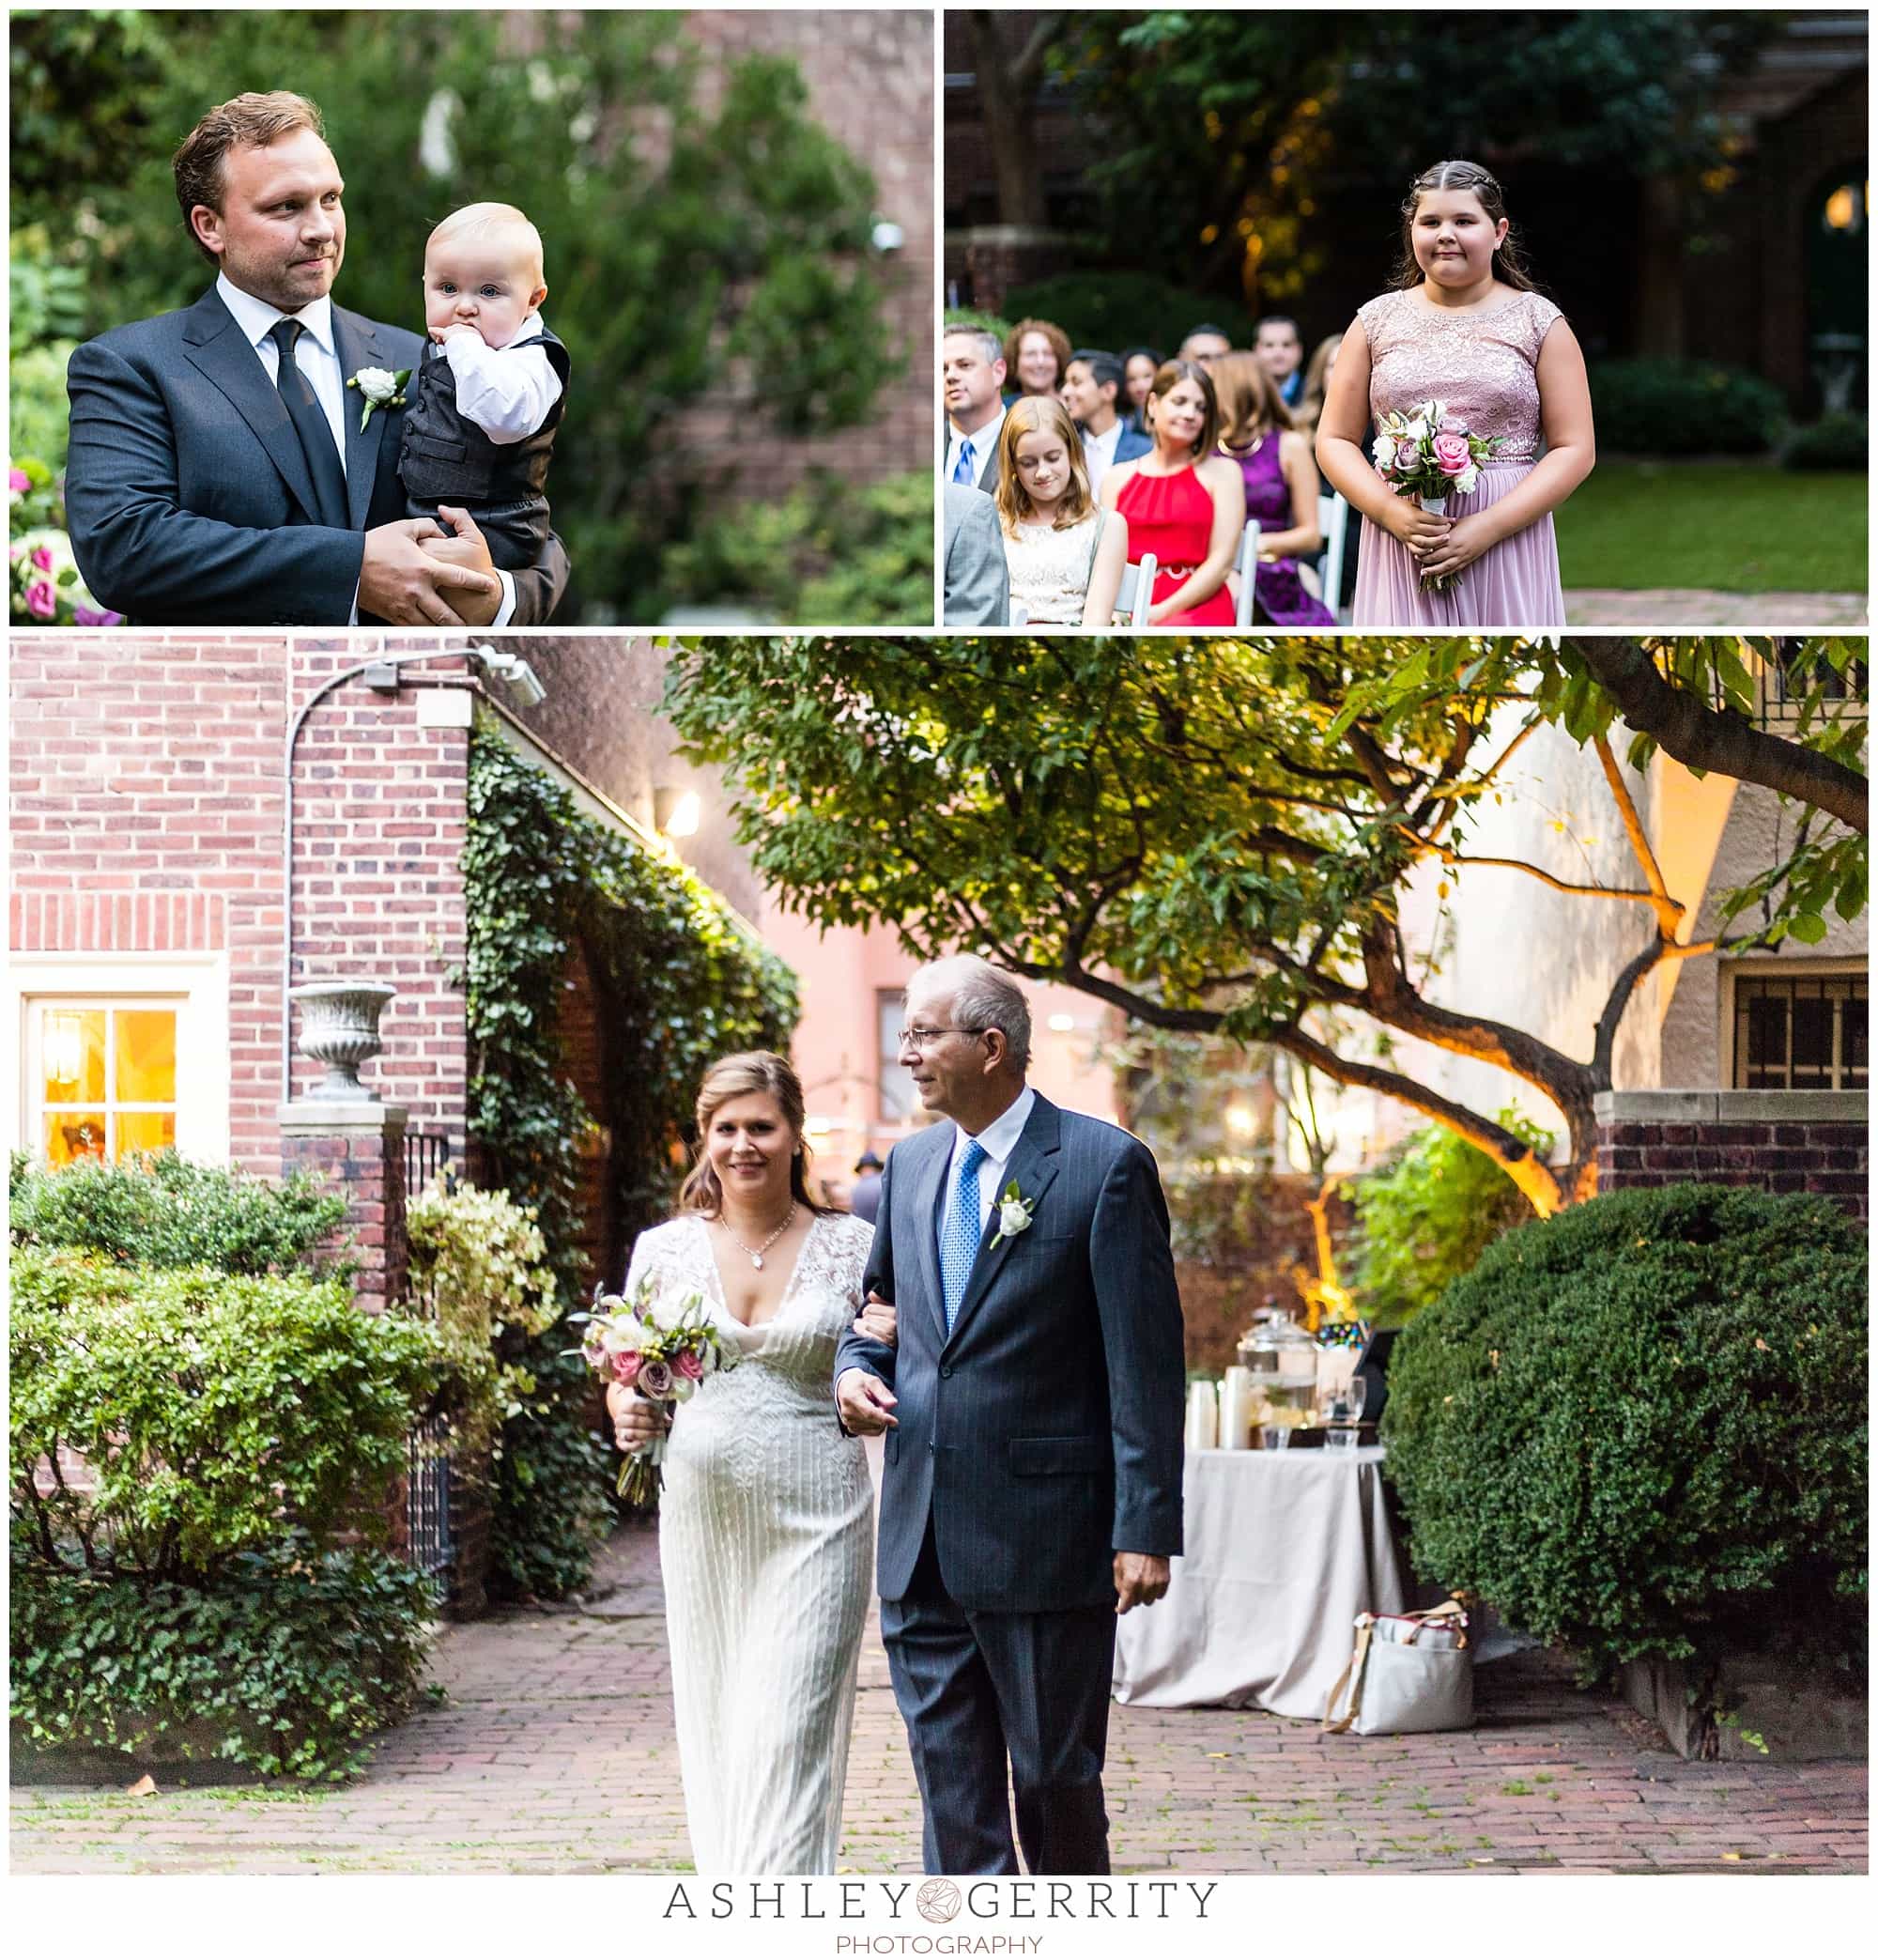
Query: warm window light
819	1126
678	812
1062	1023
1239	1120
1843	209
63	1049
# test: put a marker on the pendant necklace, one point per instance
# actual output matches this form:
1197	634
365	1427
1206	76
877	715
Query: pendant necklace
756	1253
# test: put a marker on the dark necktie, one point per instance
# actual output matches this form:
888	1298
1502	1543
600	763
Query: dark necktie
311	426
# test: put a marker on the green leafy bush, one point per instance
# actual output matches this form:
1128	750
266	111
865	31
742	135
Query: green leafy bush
164	1210
1639	1426
479	1262
213	1411
1121	309
1425	1219
1683	407
285	1662
1841	441
852	554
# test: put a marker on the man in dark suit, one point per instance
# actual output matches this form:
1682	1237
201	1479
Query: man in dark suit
224	468
1032	1404
1092	386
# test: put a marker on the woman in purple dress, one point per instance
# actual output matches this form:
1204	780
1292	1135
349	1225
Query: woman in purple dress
1463	326
1281	489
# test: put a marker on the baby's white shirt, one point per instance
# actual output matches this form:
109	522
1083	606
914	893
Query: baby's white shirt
506	392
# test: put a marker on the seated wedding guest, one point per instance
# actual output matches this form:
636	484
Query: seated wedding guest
1065	555
1184	503
1035	352
1139	367
1317	379
976	586
1281	348
1281	489
972	371
1204	342
1092	386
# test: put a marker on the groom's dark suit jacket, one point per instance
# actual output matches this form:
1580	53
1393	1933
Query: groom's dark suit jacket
1045	1434
188	493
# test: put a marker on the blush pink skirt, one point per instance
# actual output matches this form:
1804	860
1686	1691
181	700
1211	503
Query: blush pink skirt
1514	587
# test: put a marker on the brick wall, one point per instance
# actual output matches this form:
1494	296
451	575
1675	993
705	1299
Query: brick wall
1773	1140
148	807
869	81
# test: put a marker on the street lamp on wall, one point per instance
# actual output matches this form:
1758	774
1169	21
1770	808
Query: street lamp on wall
676	813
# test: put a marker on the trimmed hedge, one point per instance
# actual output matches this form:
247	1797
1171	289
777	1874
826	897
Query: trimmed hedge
1684	409
1640	1427
1840	442
1121	309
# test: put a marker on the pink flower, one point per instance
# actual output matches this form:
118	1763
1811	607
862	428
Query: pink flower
690	1365
43	557
625	1370
91	616
41	602
1451	452
19	480
655	1381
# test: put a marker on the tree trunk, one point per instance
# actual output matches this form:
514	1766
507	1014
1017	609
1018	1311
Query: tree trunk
1008	89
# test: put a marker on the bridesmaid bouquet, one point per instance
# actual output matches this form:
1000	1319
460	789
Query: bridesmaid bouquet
1425	453
661	1354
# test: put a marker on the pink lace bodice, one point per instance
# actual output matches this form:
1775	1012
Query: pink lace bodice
1482	365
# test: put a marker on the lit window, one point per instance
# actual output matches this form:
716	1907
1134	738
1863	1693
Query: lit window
1801	1031
104	1076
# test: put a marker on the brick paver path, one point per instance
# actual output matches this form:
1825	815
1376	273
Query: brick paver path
1748	611
554	1752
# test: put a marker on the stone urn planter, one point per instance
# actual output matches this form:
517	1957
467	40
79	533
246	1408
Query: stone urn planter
339	1026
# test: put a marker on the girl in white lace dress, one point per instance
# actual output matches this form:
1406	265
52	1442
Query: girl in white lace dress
766	1532
1064	556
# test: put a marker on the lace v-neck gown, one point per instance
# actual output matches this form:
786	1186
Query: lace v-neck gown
766	1541
1485	367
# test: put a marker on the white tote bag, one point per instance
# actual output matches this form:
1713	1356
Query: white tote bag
1410	1674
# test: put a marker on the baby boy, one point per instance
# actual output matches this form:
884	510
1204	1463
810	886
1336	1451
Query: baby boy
490	392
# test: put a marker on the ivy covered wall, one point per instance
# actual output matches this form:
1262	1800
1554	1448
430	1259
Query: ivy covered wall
561	905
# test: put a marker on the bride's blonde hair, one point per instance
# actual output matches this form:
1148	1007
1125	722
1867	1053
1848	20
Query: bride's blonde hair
756	1073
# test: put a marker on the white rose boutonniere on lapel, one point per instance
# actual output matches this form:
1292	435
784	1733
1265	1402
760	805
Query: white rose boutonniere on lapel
1014	1213
382	389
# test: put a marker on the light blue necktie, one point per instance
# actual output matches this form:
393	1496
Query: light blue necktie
962	472
959	1243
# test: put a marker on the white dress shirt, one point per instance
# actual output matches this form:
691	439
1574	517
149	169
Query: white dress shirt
997	1140
1098	452
506	392
316	356
984	443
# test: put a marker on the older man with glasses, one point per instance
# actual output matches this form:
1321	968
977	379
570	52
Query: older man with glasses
1031	1399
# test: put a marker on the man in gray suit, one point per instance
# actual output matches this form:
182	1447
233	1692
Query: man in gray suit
1032	1405
224	468
976	574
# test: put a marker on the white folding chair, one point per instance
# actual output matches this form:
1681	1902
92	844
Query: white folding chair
1248	573
1333	516
1137	589
1020	614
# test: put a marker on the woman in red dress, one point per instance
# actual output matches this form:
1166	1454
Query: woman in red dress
1184	503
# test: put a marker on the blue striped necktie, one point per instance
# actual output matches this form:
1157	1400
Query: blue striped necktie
965	1227
963	471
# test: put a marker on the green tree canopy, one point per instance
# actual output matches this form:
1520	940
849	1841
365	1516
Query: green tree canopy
1189	830
1234	122
700	242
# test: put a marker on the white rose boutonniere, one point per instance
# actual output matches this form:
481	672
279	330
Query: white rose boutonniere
1014	1213
381	388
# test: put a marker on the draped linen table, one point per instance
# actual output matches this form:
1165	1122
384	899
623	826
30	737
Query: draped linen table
1284	1548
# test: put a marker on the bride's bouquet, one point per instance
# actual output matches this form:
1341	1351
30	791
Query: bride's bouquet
1426	453
662	1351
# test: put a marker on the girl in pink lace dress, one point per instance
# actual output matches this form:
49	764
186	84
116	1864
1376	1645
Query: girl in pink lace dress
1464	325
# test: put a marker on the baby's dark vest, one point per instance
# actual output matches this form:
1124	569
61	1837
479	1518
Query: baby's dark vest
446	459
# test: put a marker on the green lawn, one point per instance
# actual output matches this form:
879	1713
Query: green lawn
1718	526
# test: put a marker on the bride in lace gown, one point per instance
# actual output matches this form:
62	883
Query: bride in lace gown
766	1521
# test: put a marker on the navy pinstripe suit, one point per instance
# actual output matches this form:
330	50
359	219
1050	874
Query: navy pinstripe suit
1042	1436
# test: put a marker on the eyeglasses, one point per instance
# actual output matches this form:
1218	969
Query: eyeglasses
920	1039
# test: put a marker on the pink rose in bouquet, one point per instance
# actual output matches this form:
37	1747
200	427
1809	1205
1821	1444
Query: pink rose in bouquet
43	557
41	601
1452	452
625	1370
655	1381
688	1365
